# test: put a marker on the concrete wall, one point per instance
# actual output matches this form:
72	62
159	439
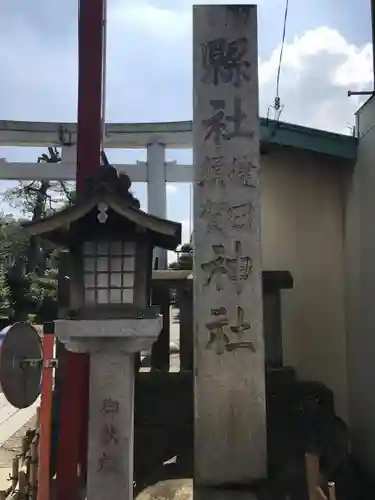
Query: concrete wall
303	196
360	279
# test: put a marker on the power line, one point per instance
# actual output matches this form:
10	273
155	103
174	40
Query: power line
276	106
281	49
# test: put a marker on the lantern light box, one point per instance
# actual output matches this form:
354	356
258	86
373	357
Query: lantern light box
110	242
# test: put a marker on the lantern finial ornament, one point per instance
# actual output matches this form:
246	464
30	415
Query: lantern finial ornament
109	180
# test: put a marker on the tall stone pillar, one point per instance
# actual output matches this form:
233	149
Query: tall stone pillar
230	411
157	192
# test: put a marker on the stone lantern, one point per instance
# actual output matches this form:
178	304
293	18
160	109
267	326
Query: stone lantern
110	242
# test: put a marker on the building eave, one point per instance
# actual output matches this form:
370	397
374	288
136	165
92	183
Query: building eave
63	219
309	139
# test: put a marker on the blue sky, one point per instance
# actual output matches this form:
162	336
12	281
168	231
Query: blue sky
327	52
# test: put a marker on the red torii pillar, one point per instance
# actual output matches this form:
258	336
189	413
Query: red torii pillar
74	391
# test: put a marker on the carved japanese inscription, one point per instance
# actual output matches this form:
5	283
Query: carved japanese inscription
212	171
235	269
225	61
225	336
222	126
109	434
221	216
215	171
244	171
108	461
228	312
241	12
110	406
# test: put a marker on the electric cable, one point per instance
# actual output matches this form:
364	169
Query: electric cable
277	97
276	106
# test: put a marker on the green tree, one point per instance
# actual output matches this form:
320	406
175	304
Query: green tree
30	279
13	240
29	263
46	289
37	199
184	258
23	295
4	297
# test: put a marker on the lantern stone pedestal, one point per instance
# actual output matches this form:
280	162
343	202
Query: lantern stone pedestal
112	345
110	242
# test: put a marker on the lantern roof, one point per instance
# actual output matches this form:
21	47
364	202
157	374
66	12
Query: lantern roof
106	207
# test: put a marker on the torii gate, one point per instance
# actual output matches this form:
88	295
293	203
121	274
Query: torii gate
74	392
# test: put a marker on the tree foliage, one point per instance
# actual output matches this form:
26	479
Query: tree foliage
28	274
37	199
13	241
184	258
4	297
28	265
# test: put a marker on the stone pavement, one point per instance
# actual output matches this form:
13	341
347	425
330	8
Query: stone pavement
182	489
13	426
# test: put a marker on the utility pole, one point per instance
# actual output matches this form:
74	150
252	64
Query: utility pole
369	92
74	389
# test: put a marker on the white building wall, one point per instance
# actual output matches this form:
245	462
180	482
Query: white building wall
360	279
303	198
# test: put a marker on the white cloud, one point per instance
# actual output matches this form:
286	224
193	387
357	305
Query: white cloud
149	70
318	69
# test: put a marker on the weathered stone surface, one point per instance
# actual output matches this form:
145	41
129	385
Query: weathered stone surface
128	335
230	414
112	346
110	454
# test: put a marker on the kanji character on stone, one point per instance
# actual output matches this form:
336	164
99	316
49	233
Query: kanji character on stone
224	61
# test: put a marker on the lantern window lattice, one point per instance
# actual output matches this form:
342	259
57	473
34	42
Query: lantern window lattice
109	269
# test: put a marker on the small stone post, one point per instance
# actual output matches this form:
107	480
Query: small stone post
111	410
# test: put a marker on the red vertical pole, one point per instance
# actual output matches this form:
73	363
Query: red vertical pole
73	418
90	75
44	476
